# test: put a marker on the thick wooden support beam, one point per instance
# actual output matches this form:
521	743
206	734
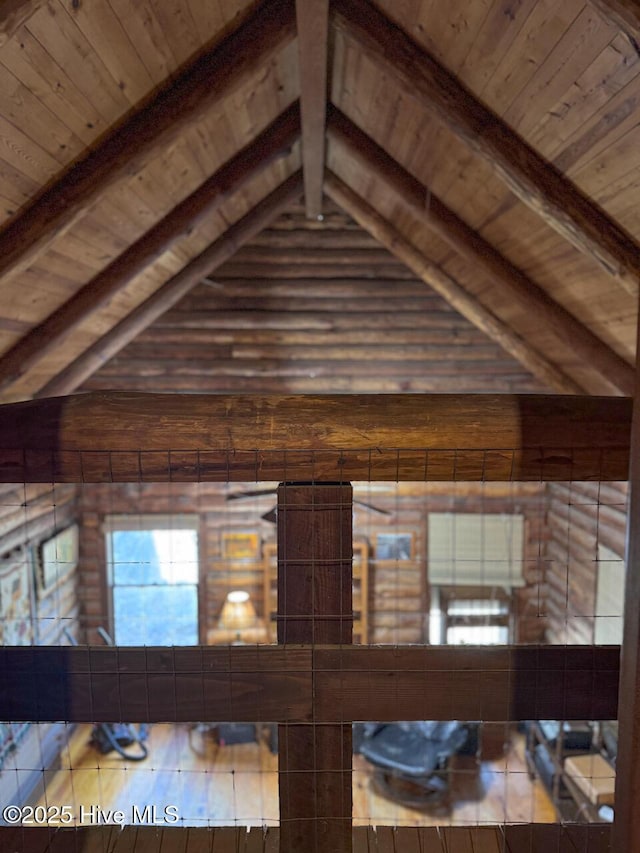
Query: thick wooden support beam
313	31
518	838
624	14
275	142
465	683
510	282
532	179
626	838
212	78
464	302
303	684
314	606
128	437
173	290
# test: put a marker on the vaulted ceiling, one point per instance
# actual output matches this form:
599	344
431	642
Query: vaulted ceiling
492	147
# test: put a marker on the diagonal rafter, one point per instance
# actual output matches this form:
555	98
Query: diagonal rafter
173	290
509	282
530	177
272	144
623	14
460	299
313	30
212	78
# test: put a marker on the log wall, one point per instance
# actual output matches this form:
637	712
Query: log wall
310	307
29	515
579	517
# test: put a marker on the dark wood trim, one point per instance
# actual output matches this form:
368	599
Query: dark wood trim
173	290
626	838
183	102
313	32
464	302
532	179
274	143
559	838
308	684
315	550
129	437
508	281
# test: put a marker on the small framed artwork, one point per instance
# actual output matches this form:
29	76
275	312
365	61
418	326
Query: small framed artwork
58	557
16	617
394	546
240	545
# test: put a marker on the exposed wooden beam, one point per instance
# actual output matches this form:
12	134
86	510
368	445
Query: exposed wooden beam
626	838
315	554
15	13
531	178
463	301
275	142
623	14
173	290
510	282
212	78
128	437
302	684
313	30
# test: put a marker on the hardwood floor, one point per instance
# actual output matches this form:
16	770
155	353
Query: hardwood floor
238	784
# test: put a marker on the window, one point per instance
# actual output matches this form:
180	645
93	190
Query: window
609	598
153	576
475	560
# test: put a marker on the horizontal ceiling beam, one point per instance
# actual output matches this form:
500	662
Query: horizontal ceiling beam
188	98
313	33
304	684
530	177
510	283
274	143
128	437
463	301
178	286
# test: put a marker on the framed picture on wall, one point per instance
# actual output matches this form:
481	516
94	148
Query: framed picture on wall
240	545
58	557
395	546
16	614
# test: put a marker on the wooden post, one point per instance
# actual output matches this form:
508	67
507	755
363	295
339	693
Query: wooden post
625	837
314	606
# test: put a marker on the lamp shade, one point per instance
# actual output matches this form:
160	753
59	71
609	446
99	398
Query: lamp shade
238	612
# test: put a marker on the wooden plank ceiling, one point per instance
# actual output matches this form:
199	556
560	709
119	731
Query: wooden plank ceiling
492	147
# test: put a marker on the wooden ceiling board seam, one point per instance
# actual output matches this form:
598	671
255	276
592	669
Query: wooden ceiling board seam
149	39
588	96
535	41
111	42
24	110
499	29
576	50
184	37
26	156
272	32
27	59
68	47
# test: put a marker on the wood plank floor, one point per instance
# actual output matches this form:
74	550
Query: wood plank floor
238	784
